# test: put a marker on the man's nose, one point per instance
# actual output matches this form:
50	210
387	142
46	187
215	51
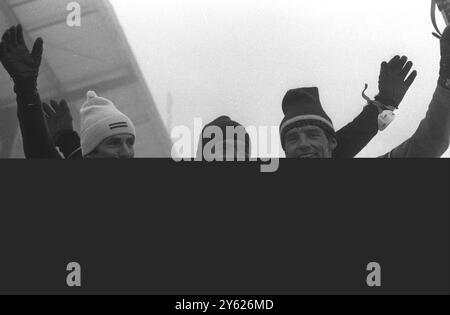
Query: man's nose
303	142
125	152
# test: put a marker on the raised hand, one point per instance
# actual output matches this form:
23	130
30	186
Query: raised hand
394	81
59	118
21	64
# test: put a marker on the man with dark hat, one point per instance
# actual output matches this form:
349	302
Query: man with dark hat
308	132
224	140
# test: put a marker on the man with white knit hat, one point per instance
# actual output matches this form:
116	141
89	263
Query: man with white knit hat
105	132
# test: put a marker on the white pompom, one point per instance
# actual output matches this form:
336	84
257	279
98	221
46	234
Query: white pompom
91	95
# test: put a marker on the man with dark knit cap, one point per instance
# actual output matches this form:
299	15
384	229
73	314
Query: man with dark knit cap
308	132
224	140
303	111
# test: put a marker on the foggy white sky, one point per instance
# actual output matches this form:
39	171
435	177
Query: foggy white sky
239	57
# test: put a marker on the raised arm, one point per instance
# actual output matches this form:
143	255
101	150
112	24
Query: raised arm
393	85
432	138
355	136
23	67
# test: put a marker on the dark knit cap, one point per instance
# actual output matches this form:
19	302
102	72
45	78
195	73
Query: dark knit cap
223	122
302	107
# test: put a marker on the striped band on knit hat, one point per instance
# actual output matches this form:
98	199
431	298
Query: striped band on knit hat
302	107
100	119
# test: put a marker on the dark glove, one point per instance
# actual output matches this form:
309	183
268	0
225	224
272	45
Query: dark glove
394	81
444	73
59	119
22	66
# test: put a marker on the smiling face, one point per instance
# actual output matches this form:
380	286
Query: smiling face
115	147
309	142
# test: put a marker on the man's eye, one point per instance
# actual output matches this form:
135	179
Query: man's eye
113	143
292	138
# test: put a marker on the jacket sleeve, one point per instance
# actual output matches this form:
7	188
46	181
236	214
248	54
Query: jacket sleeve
356	135
432	138
37	142
69	144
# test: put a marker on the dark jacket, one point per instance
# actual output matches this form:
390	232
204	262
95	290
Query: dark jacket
37	142
354	137
69	144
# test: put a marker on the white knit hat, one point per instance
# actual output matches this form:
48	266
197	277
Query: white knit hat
100	119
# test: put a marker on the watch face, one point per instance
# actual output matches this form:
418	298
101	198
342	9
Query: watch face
385	119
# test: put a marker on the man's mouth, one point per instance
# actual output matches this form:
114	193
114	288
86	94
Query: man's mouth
308	156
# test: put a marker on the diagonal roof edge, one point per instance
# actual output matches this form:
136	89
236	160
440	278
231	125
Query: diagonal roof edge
155	117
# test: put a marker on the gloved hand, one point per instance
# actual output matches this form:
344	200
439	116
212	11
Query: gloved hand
444	73
59	118
21	65
394	81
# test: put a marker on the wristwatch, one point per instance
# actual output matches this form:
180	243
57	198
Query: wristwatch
386	113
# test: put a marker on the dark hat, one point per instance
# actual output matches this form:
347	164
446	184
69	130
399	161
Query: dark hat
302	107
223	122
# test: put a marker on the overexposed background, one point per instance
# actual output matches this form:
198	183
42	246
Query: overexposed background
239	57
